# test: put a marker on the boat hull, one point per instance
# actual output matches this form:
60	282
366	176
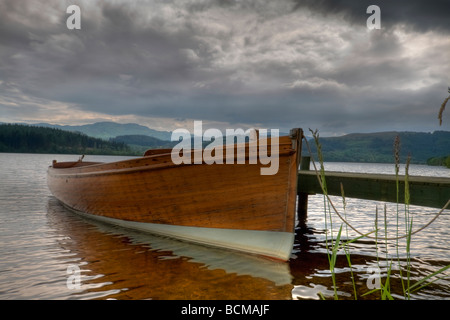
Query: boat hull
274	245
224	205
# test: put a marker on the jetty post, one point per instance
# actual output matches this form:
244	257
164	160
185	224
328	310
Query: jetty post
302	204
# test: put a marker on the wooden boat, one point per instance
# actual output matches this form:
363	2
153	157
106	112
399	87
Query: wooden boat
227	205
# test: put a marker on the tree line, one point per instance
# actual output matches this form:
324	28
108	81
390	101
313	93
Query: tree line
439	161
20	138
423	148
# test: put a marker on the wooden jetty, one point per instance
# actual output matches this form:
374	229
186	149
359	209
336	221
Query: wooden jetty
424	191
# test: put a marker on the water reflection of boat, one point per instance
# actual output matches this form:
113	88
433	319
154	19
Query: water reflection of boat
126	264
228	205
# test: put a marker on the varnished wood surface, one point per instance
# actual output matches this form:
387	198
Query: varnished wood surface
153	189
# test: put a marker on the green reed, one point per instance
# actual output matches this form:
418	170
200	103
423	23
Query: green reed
334	245
441	110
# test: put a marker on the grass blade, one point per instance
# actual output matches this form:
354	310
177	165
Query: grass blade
426	278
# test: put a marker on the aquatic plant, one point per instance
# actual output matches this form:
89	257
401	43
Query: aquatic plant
441	110
334	245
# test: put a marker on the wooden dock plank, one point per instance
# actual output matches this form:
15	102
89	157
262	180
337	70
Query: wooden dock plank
424	191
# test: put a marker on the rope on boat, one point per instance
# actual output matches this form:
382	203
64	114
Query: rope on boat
353	228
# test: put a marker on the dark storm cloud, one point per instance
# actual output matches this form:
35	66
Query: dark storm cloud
271	63
422	15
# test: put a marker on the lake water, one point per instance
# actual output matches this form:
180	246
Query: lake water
43	247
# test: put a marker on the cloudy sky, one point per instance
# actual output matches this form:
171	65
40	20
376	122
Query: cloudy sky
230	63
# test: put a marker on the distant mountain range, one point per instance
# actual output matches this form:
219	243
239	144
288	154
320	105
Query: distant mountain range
355	147
107	130
379	147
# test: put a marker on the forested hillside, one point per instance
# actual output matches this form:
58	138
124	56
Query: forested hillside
143	140
107	130
379	147
140	143
31	139
424	148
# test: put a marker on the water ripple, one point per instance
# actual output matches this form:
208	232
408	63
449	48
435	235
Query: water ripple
41	242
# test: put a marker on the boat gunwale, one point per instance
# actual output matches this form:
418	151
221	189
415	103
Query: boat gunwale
66	171
58	172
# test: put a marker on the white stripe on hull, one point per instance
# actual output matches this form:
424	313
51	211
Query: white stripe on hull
273	244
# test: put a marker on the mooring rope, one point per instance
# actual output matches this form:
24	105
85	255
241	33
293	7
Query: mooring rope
353	228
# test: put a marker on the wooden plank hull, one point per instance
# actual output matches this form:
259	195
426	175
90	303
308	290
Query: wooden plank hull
225	205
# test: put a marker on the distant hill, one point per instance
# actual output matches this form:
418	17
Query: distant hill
379	147
31	139
432	148
140	143
107	130
143	140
